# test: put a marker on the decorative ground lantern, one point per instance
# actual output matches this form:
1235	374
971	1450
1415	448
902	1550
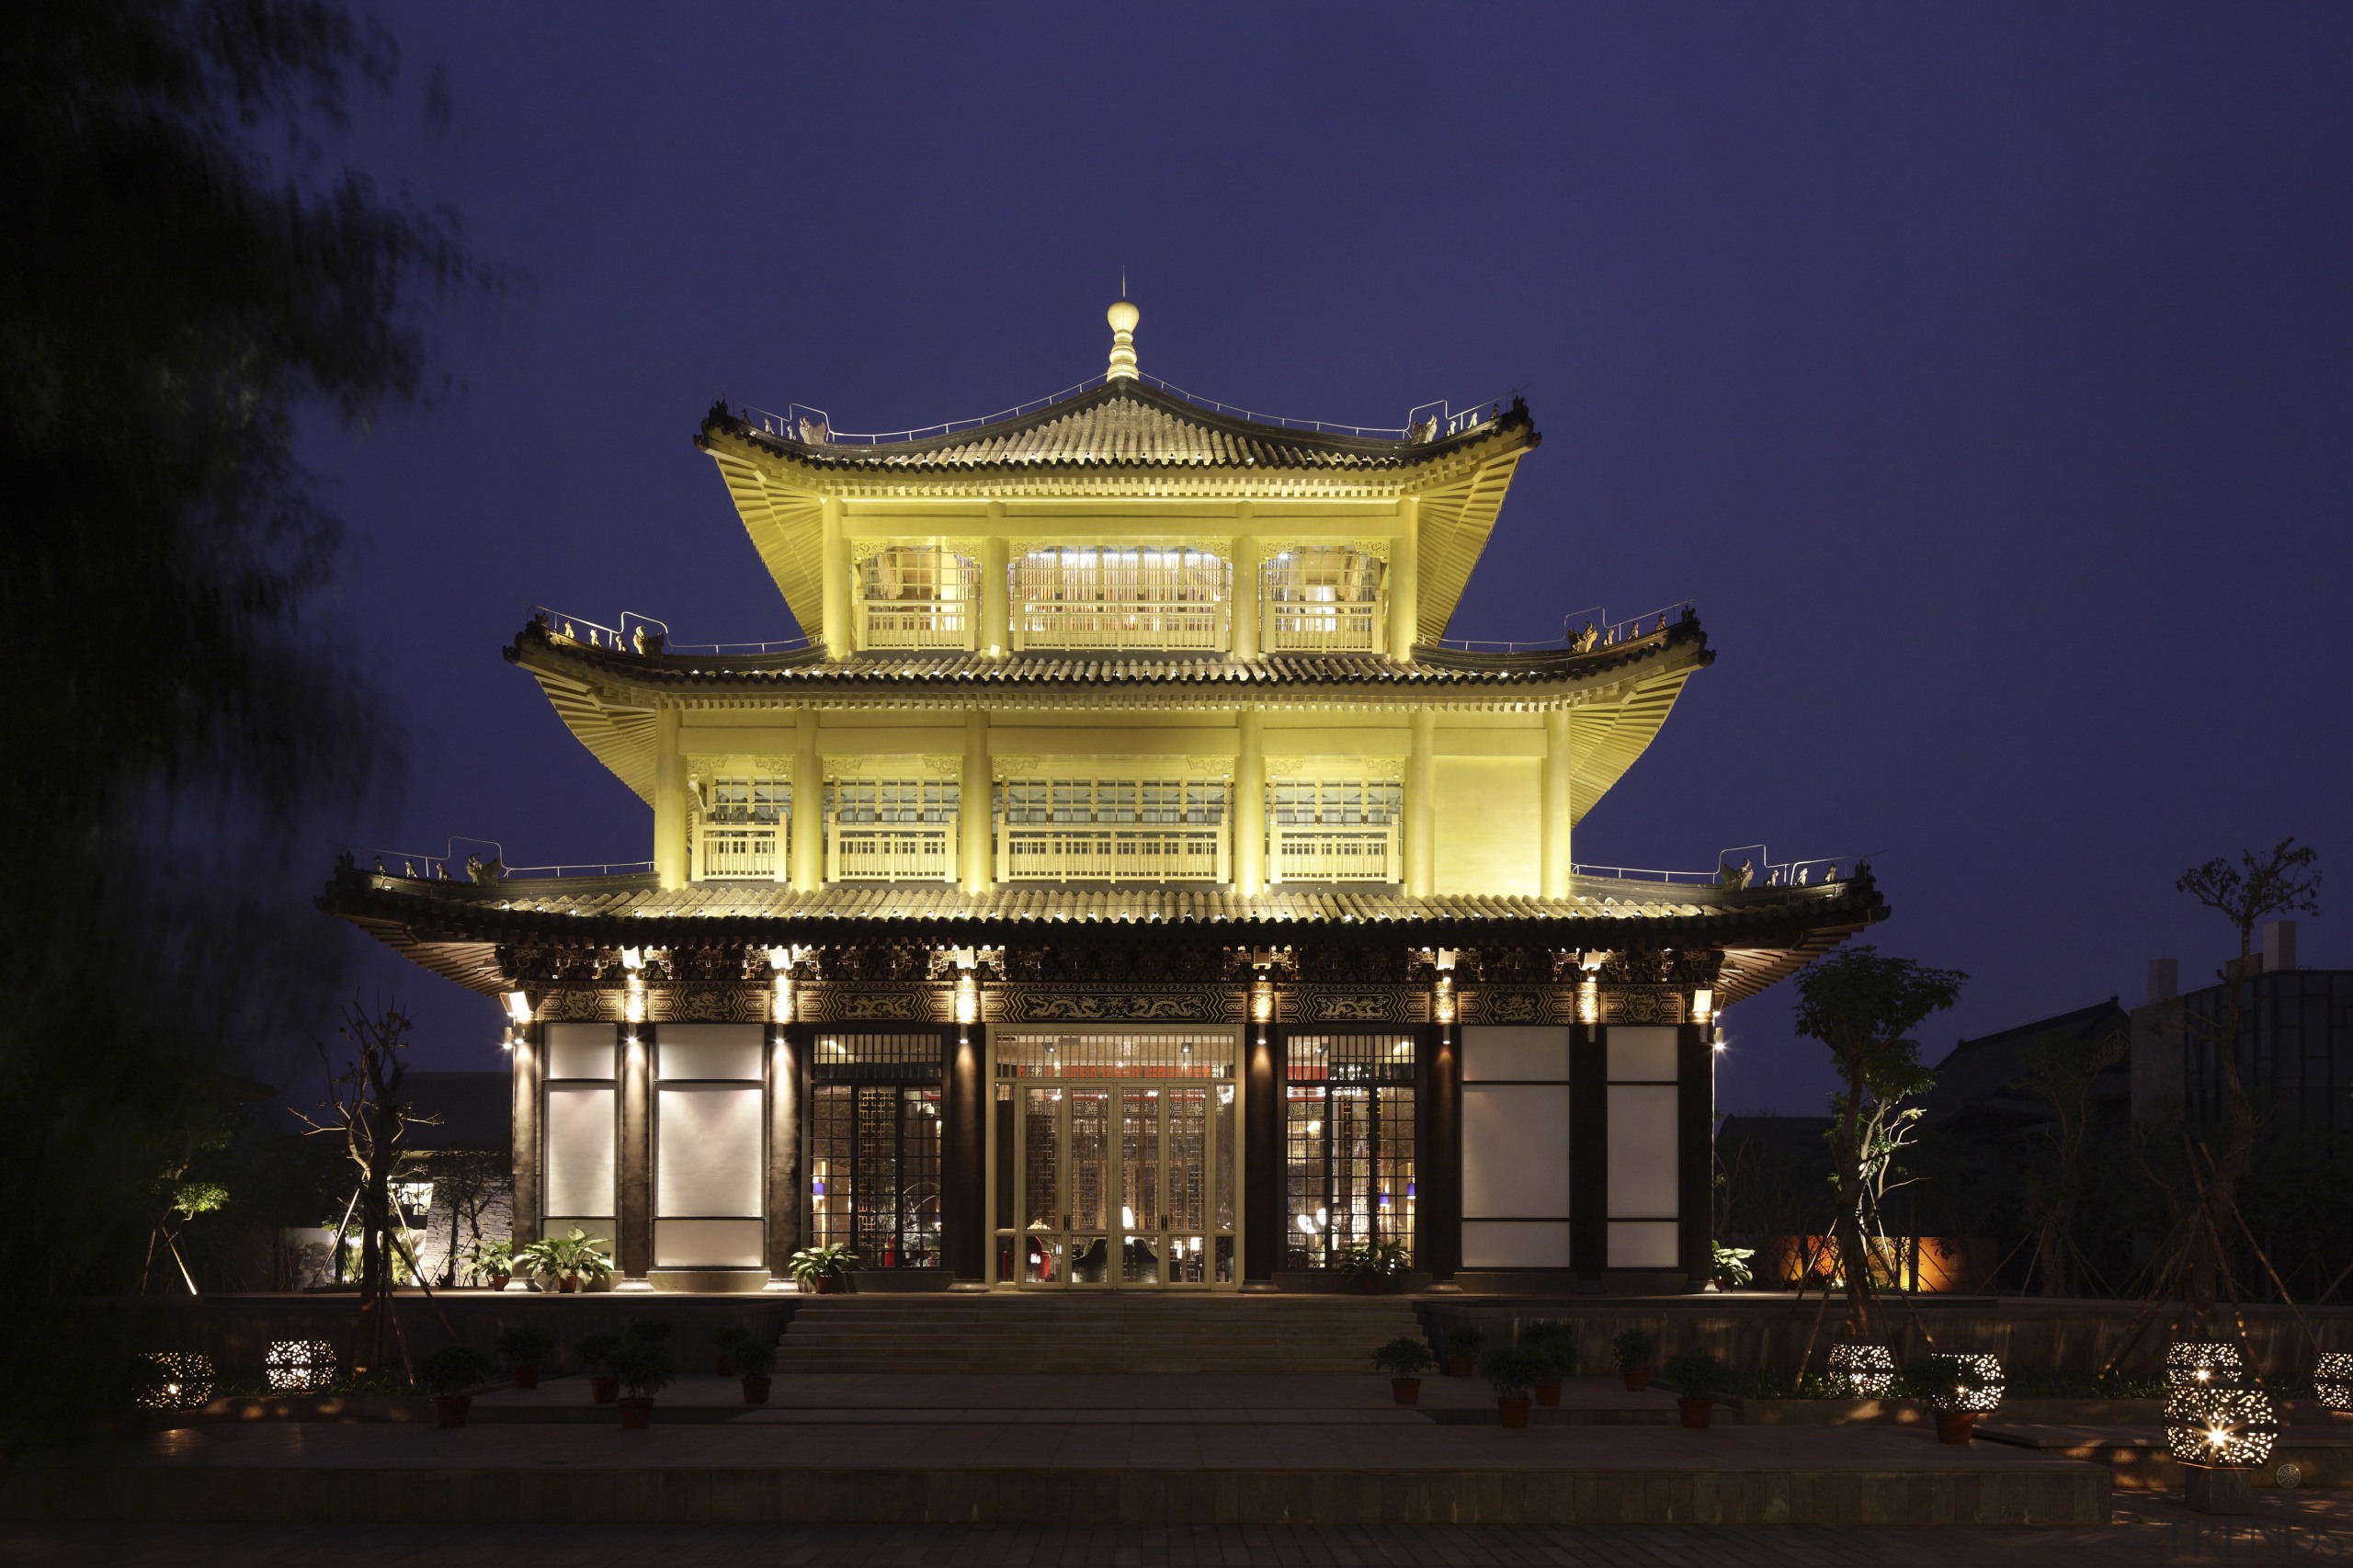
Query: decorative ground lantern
1961	1388
2204	1363
177	1379
2220	1435
298	1366
1866	1370
2333	1382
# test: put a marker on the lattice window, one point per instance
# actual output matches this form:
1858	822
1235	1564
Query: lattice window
1158	1053
1322	596
1335	830
1113	830
918	597
1102	597
874	1147
749	798
870	801
1348	1107
1337	803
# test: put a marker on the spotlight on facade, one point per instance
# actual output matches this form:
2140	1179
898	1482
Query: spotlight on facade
298	1366
2333	1380
968	998
1703	1004
1442	1000
1589	1001
2204	1363
1865	1370
518	1007
177	1379
1262	999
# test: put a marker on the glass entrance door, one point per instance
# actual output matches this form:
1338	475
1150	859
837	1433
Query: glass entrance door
1117	1184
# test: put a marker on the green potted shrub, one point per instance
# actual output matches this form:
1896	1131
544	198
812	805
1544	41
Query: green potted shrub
595	1354
1402	1358
450	1375
1731	1267
1463	1343
823	1271
1556	1342
528	1347
1695	1376
566	1263
645	1365
1371	1267
1634	1349
753	1357
1512	1372
489	1264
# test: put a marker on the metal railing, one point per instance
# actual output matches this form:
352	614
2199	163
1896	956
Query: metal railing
1737	868
739	852
1095	853
918	623
1368	854
1584	632
891	852
449	866
814	426
648	636
1337	628
1107	623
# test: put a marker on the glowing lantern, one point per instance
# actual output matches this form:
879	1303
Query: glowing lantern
2220	1427
297	1366
179	1379
1978	1388
2333	1380
1867	1370
2204	1363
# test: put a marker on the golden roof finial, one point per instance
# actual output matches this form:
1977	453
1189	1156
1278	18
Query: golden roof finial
1122	317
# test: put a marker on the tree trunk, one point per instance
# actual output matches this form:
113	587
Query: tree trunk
1853	1262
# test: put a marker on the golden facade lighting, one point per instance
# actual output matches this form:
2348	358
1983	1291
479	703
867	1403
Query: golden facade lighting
633	1003
968	999
1442	1000
1589	1001
1262	999
780	979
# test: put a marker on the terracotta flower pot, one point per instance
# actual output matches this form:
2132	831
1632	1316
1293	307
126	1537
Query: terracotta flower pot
827	1285
1548	1395
637	1415
498	1281
725	1369
1369	1287
567	1286
1405	1391
603	1390
1695	1412
1637	1378
1458	1366
1955	1425
450	1409
1513	1412
756	1390
526	1376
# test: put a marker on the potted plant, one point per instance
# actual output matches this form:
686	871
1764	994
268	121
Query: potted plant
753	1358
1634	1349
1369	1268
723	1340
527	1346
1556	1342
823	1271
489	1264
1956	1389
596	1355
567	1262
1695	1376
1462	1347
450	1375
644	1367
1512	1372
1732	1270
1402	1359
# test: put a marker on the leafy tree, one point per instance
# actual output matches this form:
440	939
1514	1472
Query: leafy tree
1864	1007
469	1181
2060	1068
185	275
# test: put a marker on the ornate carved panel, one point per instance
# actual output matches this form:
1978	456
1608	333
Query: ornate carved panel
581	1005
1138	1003
1642	1005
709	1004
824	1003
1351	1004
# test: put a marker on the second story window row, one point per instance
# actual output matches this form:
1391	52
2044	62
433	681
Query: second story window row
1094	597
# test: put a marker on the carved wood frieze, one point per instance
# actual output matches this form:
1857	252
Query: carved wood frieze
827	1002
1134	1004
1642	1005
1352	1005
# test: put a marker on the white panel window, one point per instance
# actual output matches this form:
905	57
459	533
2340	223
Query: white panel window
1493	1051
1641	1054
1642	1148
580	1051
1524	1244
580	1151
707	1151
707	1244
1516	1152
1642	1244
710	1050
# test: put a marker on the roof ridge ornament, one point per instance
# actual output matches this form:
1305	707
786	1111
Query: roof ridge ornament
1123	317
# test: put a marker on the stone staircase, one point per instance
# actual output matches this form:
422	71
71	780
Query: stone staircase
1035	1333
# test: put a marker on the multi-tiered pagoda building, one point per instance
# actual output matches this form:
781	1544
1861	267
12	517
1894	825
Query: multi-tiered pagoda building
1124	887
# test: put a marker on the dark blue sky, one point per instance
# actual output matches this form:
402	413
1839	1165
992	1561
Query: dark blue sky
1982	371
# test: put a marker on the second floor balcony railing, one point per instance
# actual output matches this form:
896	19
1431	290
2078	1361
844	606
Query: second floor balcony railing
1095	852
917	623
1311	854
1335	628
1111	623
740	851
891	852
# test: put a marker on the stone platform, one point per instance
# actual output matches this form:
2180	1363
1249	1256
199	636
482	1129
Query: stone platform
2321	1455
1067	1450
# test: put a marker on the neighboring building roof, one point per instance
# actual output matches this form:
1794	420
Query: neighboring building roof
454	927
477	1110
1795	1138
1122	423
1985	1077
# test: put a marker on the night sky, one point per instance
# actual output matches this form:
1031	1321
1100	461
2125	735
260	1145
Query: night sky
1982	372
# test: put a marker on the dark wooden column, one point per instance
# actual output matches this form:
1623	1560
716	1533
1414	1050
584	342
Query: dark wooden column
530	1182
1262	1157
634	1245
1694	1153
1437	1163
1588	1154
788	1078
963	1153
